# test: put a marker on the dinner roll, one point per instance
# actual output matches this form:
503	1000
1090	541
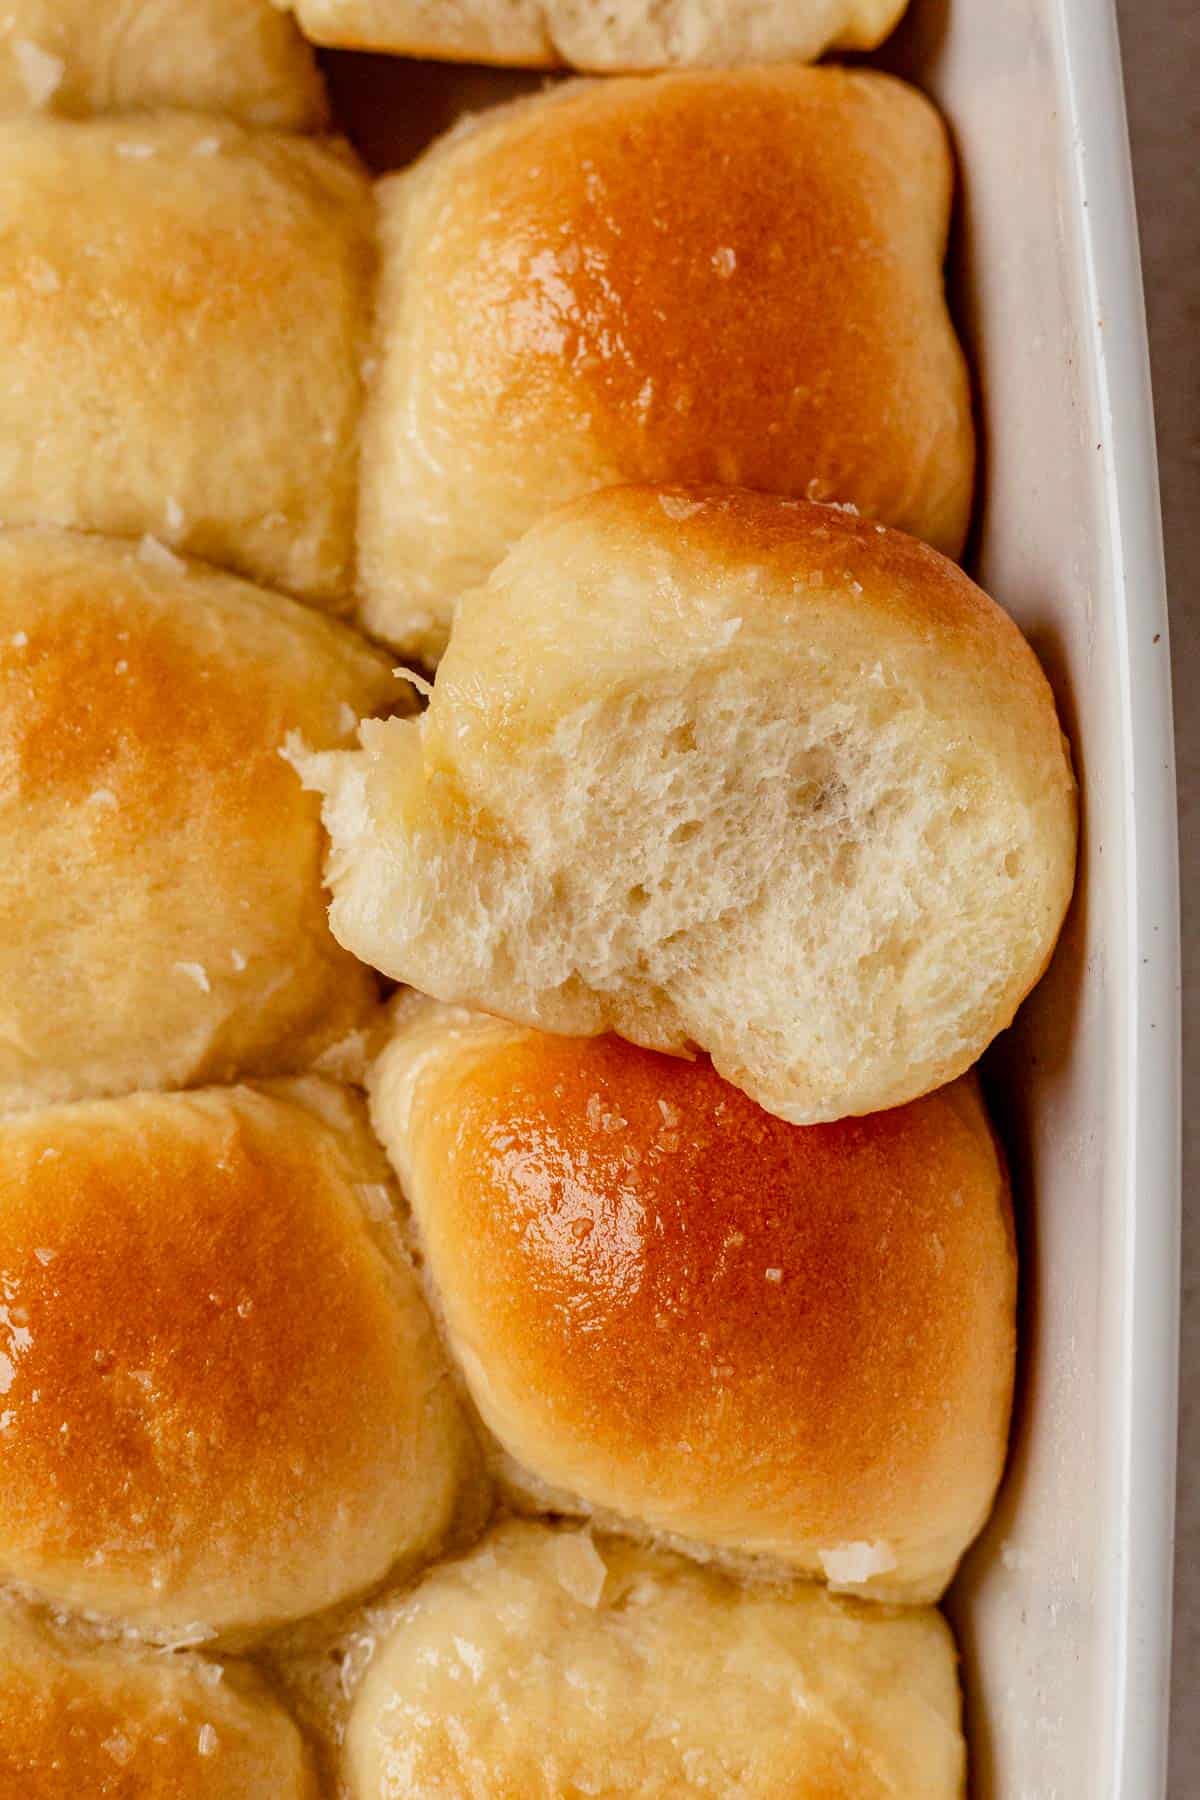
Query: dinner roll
629	34
162	920
221	1401
546	1665
772	1341
709	768
240	57
80	1724
182	308
698	277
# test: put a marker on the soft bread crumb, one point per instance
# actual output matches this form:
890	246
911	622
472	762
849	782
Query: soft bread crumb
579	1567
196	972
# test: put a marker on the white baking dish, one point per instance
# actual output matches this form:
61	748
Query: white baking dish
1063	1609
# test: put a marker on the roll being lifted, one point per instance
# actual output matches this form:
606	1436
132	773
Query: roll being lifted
720	771
632	34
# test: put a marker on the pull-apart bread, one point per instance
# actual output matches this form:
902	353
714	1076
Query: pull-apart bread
730	277
674	1311
223	1405
720	771
183	306
545	1664
630	34
242	58
162	920
81	1722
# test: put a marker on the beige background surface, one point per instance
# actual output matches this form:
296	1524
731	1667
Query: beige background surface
1161	42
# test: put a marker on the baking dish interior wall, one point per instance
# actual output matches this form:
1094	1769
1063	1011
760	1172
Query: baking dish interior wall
1039	1608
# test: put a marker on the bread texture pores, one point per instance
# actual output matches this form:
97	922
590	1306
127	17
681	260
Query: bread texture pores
730	277
631	34
687	1317
545	1665
243	58
183	310
223	1405
80	1723
712	769
162	920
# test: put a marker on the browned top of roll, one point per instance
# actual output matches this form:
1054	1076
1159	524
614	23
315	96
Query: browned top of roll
221	1401
764	1337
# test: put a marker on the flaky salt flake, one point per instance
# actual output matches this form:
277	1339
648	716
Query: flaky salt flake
579	1567
118	1746
774	1275
677	508
153	551
470	1655
423	687
207	1741
237	958
856	1562
102	796
196	972
45	1256
724	261
19	639
41	73
376	1199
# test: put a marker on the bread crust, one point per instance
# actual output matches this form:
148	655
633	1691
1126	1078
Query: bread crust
726	277
546	1663
786	1345
162	919
243	59
78	1720
224	1403
183	315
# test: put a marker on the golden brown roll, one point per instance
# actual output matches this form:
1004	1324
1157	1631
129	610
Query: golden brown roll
162	920
709	768
80	1723
182	315
731	277
222	1404
545	1665
631	34
239	57
680	1313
